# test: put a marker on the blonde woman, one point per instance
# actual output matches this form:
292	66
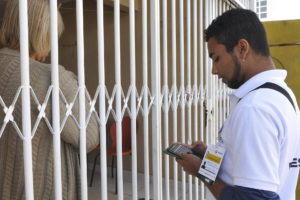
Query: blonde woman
11	146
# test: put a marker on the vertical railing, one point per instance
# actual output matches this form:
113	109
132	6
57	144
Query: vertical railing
55	101
133	98
118	97
227	89
182	89
195	89
165	107
207	80
220	84
223	85
188	86
102	110
174	93
216	86
26	112
201	81
145	96
212	82
212	90
155	88
226	97
81	84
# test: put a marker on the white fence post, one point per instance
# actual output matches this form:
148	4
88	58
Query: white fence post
133	99
166	100
156	108
195	89
182	91
118	97
55	101
145	96
102	110
174	94
26	111
81	85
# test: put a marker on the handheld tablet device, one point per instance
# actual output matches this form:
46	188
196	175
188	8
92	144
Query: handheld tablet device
176	149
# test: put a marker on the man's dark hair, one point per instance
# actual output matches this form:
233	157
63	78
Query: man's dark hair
237	24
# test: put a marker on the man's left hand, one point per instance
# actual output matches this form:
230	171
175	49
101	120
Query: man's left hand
190	163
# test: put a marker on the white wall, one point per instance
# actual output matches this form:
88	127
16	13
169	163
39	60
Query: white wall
283	10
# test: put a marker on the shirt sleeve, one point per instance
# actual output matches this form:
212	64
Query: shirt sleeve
256	147
243	193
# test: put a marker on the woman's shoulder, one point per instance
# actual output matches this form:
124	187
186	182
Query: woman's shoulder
47	68
9	52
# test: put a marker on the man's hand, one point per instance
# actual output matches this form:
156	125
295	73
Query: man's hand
198	147
190	163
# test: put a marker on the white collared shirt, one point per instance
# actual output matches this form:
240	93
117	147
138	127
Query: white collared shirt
261	137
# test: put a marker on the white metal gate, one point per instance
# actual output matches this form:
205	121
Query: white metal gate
195	100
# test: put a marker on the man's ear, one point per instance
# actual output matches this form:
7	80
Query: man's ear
243	47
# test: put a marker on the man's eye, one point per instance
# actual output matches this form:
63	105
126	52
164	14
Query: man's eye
217	59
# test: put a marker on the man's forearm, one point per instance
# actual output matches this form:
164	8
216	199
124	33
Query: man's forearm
216	188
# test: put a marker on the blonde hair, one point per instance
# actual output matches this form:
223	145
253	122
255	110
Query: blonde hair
38	26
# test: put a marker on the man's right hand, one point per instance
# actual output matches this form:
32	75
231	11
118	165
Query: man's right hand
198	147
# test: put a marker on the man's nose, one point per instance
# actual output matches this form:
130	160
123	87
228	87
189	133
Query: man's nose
214	69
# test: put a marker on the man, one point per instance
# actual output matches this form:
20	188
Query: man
261	135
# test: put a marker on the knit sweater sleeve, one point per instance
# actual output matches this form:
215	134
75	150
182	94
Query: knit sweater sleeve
70	131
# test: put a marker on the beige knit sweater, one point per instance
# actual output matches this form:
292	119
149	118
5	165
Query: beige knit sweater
11	146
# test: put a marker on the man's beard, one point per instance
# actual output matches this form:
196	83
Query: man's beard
237	80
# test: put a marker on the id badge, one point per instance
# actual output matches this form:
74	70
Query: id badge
211	163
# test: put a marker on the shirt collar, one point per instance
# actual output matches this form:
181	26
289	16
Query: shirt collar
274	76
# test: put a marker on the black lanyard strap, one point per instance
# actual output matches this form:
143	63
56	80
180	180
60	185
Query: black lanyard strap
277	88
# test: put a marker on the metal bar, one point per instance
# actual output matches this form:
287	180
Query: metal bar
26	111
174	94
102	110
214	89
166	99
133	99
212	86
220	84
207	85
228	7
82	112
237	3
223	85
195	91
201	75
155	88
55	101
145	105
188	89
208	82
182	90
118	97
